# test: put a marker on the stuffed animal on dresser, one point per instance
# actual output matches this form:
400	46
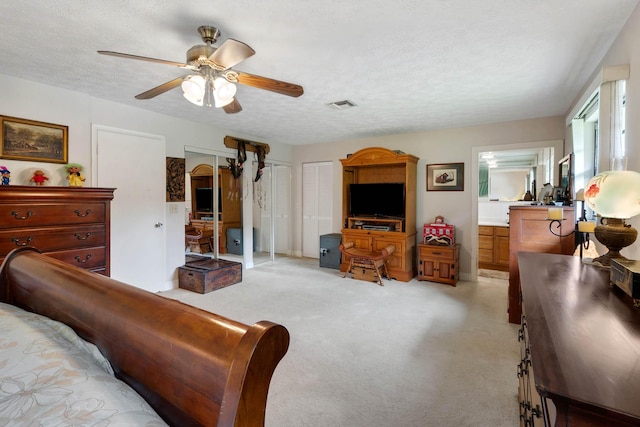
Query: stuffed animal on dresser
74	175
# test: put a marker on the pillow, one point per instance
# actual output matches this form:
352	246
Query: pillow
50	376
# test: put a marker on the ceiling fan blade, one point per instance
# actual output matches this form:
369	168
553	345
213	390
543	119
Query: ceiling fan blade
266	83
230	53
158	90
233	107
143	58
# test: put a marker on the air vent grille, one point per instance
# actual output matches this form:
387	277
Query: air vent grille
342	105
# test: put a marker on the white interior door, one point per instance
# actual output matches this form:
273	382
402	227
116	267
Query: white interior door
282	208
134	163
317	206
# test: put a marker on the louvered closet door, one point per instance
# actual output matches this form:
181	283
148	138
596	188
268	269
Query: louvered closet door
317	205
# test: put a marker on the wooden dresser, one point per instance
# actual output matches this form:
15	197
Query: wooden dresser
580	343
70	224
529	231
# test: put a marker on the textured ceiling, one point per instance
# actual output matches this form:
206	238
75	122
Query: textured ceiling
408	65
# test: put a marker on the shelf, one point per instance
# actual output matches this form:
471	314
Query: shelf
377	224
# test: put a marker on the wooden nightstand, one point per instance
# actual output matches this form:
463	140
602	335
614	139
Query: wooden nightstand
438	263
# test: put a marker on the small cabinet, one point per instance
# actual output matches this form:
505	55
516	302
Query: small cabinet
438	263
493	247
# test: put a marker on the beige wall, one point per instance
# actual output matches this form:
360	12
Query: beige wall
442	146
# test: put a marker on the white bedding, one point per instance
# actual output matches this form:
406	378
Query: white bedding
51	377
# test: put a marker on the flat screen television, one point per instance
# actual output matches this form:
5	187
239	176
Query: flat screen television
381	200
204	199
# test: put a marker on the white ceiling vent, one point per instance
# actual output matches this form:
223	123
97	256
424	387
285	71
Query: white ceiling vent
341	105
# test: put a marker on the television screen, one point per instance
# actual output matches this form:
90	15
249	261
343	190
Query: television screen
204	199
383	200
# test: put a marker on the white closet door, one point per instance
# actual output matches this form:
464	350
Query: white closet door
317	205
282	207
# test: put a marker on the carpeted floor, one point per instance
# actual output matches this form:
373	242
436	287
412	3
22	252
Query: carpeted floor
407	354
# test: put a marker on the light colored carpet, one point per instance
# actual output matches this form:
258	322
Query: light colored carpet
406	354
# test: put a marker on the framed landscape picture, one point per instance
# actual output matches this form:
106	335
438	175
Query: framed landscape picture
445	177
22	139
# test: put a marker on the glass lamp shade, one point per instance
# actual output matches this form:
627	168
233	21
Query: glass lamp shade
193	88
224	92
614	194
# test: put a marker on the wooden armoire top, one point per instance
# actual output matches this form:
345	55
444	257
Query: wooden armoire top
202	170
376	156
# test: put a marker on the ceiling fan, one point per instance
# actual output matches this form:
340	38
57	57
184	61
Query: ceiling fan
212	82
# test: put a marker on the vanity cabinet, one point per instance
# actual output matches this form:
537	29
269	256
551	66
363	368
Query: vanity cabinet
439	263
493	247
71	224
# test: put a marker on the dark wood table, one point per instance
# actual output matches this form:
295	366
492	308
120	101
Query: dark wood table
584	341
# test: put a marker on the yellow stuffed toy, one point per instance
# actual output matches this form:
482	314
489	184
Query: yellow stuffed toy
74	175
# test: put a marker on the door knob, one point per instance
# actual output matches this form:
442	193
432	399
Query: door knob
158	225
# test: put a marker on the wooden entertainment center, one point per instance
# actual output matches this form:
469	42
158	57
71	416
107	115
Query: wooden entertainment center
229	215
380	165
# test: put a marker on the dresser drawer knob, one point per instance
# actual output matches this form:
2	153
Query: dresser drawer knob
16	215
81	237
82	261
16	240
82	215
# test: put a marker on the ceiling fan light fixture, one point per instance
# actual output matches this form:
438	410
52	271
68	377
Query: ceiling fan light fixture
193	89
224	92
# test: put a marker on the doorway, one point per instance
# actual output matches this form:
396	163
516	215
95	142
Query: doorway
555	149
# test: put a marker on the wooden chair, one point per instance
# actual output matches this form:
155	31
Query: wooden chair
367	265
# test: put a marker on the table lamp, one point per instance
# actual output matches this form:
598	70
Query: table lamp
615	197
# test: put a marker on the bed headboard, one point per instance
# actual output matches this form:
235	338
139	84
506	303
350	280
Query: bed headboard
192	366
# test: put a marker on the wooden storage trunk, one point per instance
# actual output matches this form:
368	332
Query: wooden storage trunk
208	275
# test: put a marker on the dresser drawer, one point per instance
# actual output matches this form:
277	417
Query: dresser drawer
87	258
437	252
17	215
53	238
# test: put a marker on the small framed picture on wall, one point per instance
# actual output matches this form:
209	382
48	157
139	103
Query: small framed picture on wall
445	177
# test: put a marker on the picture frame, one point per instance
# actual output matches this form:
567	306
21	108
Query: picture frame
445	177
29	140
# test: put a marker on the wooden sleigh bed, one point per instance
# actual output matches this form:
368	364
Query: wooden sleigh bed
194	368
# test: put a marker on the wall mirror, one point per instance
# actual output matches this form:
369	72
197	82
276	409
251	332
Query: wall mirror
565	172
